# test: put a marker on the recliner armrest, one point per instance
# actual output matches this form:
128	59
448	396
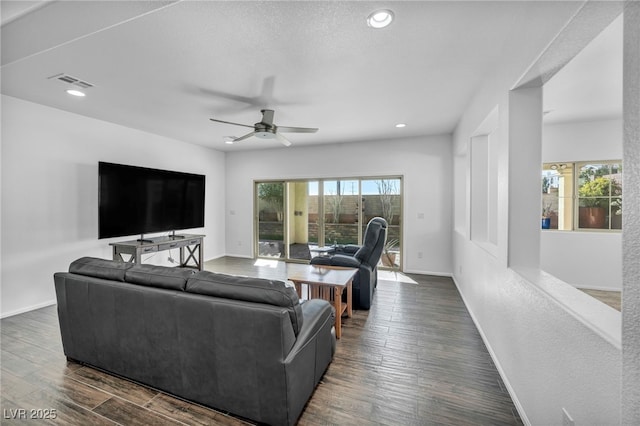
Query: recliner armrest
336	260
321	260
344	260
349	249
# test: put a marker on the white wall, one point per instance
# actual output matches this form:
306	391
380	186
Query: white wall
536	327
548	355
424	162
584	259
50	193
582	141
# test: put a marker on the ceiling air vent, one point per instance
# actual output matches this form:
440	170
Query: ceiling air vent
72	80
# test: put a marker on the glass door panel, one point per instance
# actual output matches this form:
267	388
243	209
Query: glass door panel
270	203
303	218
382	198
341	199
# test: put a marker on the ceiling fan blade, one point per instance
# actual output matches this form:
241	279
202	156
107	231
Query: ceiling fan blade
267	116
241	138
297	129
284	141
229	122
243	99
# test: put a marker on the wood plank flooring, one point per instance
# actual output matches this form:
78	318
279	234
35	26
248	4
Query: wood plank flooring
415	358
611	298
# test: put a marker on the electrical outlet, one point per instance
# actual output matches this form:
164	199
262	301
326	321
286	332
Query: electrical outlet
419	255
239	243
567	420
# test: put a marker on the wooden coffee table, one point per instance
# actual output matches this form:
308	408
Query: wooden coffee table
325	282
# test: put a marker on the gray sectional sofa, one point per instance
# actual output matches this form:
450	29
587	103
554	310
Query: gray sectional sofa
237	344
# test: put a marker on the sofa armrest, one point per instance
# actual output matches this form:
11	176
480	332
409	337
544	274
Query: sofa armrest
316	313
310	356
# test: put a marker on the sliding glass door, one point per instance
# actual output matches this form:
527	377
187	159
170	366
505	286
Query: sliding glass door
299	219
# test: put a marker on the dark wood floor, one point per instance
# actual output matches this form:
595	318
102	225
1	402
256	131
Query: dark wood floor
415	358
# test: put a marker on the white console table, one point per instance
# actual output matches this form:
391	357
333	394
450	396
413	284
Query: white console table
191	255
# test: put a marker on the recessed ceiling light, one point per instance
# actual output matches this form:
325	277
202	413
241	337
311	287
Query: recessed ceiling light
380	18
75	92
399	125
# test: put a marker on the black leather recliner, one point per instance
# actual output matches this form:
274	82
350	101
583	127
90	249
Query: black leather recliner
365	258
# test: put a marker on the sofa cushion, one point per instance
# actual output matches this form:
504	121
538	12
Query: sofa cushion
159	276
100	268
259	290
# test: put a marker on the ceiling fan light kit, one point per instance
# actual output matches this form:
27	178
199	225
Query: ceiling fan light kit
265	129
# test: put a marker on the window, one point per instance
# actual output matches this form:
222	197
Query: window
599	195
296	219
582	195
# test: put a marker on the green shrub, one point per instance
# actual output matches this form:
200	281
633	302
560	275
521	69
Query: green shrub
596	192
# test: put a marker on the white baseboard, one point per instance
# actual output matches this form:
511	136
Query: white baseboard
217	256
28	309
243	256
496	362
437	274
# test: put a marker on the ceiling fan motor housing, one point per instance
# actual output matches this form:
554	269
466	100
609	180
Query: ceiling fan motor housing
265	131
269	134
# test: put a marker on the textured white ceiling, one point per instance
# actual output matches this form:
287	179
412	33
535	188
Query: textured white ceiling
165	67
11	10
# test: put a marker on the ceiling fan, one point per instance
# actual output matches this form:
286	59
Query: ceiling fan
265	129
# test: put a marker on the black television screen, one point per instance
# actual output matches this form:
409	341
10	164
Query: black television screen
138	200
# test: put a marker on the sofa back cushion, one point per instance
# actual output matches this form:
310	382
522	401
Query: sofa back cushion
159	276
100	268
258	290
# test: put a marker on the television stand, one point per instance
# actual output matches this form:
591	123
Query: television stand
191	254
142	239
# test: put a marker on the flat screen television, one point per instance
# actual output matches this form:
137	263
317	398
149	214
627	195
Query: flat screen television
138	200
